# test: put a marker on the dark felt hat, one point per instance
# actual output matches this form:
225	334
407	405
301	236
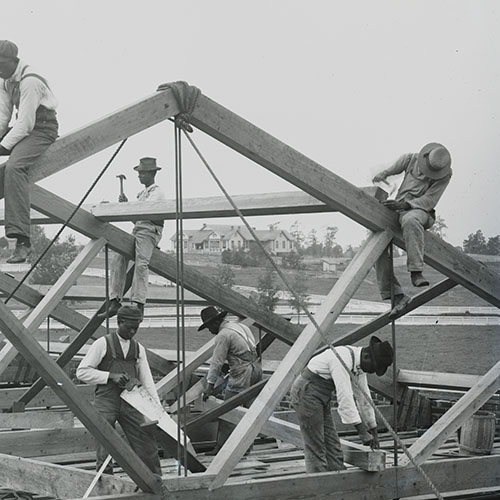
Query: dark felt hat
210	314
129	312
147	164
8	50
381	353
434	161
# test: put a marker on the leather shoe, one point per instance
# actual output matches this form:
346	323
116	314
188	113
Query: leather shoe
111	310
19	255
417	279
400	302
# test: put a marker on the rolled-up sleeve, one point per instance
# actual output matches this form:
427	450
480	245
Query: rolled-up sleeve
87	370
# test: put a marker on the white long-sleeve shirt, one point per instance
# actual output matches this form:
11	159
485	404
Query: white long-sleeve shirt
88	373
33	93
352	406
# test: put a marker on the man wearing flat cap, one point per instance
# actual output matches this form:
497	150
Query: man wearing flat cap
147	234
34	129
311	396
111	362
426	176
234	344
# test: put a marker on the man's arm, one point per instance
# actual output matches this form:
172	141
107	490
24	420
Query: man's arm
6	108
219	356
399	166
87	369
430	199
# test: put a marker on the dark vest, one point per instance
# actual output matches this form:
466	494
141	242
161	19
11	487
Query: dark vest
115	362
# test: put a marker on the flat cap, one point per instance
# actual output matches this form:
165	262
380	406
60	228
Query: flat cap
8	50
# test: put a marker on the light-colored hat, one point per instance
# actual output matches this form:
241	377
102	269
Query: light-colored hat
434	161
147	164
8	50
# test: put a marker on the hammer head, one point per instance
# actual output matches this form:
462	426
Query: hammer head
121	176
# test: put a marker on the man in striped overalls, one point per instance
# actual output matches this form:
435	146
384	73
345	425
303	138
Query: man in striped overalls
34	129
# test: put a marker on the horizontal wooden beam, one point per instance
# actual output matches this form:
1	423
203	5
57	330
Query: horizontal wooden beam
326	186
56	481
40	419
437	379
100	134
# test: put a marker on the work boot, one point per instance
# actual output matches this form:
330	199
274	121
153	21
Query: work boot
111	310
400	302
417	279
20	254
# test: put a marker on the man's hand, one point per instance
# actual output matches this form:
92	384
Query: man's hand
374	445
396	206
380	177
120	379
122	198
4	152
208	391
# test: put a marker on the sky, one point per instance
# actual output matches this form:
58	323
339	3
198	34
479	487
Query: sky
350	84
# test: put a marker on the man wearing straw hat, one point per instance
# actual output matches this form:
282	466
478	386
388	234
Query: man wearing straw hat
426	176
147	235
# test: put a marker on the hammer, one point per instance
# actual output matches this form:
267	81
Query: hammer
122	197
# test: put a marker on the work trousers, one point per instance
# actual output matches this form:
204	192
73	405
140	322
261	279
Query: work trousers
311	399
413	224
114	409
15	178
147	236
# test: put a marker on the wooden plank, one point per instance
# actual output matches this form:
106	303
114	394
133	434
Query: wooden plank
437	379
450	475
54	480
100	134
62	385
290	202
171	437
56	294
191	394
288	432
326	186
45	399
169	382
295	359
465	407
165	265
41	419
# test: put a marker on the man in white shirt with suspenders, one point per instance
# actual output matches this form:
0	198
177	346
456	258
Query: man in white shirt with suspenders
34	129
235	344
311	396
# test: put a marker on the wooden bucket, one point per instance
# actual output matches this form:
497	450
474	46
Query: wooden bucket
478	434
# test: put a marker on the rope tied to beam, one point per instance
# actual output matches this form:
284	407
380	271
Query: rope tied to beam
186	96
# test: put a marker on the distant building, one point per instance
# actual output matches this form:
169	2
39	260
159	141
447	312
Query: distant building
333	264
216	238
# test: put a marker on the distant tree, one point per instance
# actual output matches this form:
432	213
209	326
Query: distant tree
329	243
475	243
293	260
314	246
301	297
493	245
57	259
267	289
297	234
438	227
225	276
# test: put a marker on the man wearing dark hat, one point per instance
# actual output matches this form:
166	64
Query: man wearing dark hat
34	129
426	176
235	344
311	396
111	362
147	235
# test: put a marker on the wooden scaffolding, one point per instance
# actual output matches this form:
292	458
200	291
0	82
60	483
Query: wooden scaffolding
321	190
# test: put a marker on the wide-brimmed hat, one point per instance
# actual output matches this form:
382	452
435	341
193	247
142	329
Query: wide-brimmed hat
434	161
8	50
147	164
129	312
210	314
381	353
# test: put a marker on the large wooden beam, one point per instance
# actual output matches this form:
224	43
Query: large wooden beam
295	359
337	193
55	295
453	475
165	265
62	385
41	419
463	409
102	133
56	481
